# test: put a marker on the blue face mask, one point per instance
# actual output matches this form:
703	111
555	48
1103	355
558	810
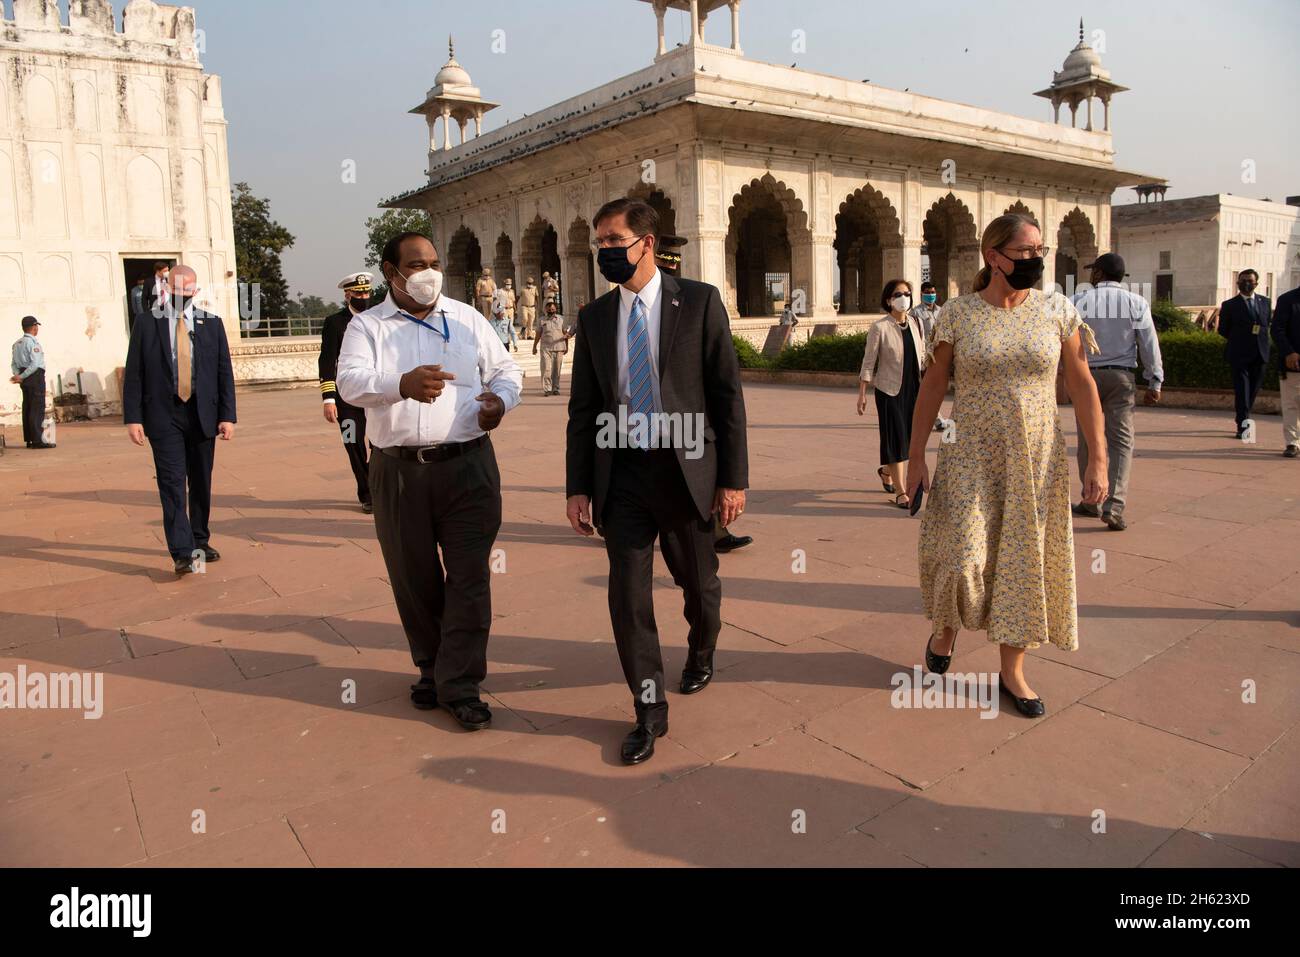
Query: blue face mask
929	298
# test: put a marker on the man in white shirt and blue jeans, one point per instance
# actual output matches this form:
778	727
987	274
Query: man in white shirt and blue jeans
434	379
1122	323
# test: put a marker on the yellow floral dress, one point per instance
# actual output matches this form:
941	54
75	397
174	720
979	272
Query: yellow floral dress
997	547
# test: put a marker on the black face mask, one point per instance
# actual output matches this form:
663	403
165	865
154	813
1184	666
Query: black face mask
614	264
1246	285
1025	272
359	304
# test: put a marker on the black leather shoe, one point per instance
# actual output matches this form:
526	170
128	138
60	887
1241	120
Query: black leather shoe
1087	511
640	744
1292	451
731	542
938	664
209	554
43	445
367	508
1114	522
184	566
696	676
1029	707
424	694
471	713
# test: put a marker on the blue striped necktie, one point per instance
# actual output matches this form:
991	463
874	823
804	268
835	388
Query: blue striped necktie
640	393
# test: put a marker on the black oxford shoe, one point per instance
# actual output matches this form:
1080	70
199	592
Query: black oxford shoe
1029	707
640	744
695	679
210	554
184	566
731	542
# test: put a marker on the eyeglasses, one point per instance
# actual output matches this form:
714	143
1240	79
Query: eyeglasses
1025	252
614	242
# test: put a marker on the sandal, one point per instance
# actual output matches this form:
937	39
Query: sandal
424	695
902	501
884	479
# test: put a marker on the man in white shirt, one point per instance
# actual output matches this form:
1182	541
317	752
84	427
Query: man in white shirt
434	379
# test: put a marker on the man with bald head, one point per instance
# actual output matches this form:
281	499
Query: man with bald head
179	393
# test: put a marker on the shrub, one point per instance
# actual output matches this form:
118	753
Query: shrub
750	358
825	354
1194	360
1170	318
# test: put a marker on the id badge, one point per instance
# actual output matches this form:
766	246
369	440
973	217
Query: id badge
1254	330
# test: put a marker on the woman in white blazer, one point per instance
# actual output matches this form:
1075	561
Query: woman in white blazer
892	365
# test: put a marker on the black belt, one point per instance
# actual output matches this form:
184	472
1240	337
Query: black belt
1117	368
432	453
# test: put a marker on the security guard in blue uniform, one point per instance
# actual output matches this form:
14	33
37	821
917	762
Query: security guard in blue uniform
28	368
357	289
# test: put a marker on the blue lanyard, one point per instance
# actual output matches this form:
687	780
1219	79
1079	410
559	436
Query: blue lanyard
446	329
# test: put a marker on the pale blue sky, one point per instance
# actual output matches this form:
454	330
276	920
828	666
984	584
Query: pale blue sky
310	84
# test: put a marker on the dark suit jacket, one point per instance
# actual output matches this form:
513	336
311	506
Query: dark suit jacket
1235	322
1286	327
331	343
698	372
149	384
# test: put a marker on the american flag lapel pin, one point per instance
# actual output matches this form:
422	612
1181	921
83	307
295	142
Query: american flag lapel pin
676	303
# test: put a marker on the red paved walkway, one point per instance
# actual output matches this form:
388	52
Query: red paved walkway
224	691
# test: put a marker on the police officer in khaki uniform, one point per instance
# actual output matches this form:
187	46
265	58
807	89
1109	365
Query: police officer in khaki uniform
485	291
553	335
528	307
550	288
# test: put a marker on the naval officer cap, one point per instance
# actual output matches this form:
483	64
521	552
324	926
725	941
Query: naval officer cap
357	282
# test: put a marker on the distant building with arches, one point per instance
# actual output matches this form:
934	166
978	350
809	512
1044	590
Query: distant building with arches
787	184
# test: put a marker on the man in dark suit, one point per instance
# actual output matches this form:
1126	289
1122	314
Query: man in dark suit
654	351
350	419
179	391
1286	335
1243	321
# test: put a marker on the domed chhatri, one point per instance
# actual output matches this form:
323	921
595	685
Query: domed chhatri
453	99
1081	79
452	73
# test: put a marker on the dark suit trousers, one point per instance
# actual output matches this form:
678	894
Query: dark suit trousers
183	455
33	407
648	499
355	445
1246	380
445	606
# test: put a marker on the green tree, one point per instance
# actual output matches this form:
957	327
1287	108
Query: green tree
259	240
380	229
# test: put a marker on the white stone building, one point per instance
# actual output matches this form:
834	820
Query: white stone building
785	182
1192	249
112	155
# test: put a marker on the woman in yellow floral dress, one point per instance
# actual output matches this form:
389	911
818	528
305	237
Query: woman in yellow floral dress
997	546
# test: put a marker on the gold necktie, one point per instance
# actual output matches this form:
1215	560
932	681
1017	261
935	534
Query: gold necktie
183	364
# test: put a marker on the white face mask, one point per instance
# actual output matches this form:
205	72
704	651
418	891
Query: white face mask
901	303
424	286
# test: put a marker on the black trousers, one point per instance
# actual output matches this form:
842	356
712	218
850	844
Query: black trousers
648	499
33	407
354	443
1246	380
445	606
182	455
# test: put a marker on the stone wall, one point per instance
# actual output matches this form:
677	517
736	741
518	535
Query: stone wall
112	148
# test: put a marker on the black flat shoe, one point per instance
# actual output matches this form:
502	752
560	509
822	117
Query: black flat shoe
1087	511
731	542
367	508
424	695
1029	707
639	745
938	664
471	713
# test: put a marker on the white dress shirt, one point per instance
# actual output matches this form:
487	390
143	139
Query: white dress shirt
384	343
653	304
